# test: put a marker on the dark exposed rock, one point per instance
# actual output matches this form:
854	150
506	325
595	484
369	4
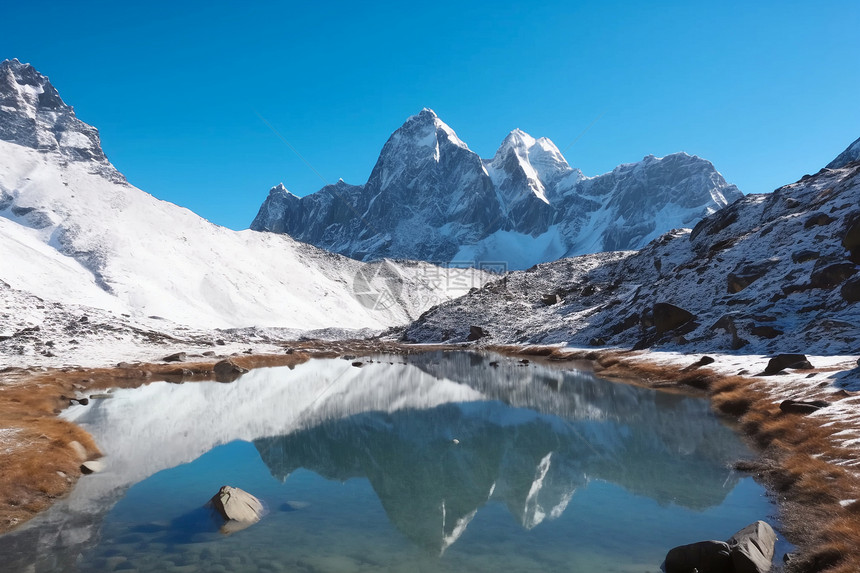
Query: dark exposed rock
703	361
358	364
803	256
629	322
851	290
703	557
765	331
715	223
752	548
550	299
746	274
476	333
832	275
818	219
851	240
597	341
802	407
669	317
782	361
177	357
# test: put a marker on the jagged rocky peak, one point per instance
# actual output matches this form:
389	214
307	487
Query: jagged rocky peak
33	114
850	155
430	197
423	131
424	142
281	190
525	162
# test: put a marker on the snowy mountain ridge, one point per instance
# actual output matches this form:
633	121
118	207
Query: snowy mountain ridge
771	273
429	197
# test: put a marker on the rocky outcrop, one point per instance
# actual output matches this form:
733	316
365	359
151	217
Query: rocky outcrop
851	290
669	317
746	274
851	240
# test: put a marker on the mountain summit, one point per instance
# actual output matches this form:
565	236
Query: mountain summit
33	114
430	197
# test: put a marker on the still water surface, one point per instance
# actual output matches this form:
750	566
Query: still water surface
433	462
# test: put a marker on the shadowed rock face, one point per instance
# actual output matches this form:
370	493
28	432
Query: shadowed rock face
33	114
430	197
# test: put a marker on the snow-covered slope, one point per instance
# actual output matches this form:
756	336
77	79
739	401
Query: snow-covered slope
770	273
72	230
431	198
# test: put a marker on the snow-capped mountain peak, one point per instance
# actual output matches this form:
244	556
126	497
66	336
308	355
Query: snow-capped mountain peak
33	114
523	162
430	197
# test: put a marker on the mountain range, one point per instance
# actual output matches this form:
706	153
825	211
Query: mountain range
85	256
429	197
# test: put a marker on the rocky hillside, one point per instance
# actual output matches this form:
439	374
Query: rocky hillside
431	198
772	272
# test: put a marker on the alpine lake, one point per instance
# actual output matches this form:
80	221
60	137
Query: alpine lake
434	461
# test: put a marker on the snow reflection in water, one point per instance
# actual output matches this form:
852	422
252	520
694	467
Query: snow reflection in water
436	461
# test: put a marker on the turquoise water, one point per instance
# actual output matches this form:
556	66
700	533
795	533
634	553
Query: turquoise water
436	462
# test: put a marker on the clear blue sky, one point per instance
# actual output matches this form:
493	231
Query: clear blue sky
767	91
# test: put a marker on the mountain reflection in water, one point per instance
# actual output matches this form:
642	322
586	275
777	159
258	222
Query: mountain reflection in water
543	434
